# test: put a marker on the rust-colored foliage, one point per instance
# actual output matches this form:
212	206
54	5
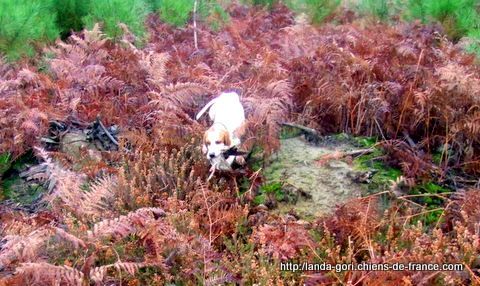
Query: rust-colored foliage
388	82
354	222
284	240
217	215
148	203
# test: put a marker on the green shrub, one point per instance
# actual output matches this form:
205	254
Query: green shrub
174	12
416	9
24	22
70	14
473	45
273	189
458	17
322	8
179	12
266	3
213	14
317	10
377	8
112	12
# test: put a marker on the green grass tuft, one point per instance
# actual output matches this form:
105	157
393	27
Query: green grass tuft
5	163
384	175
273	190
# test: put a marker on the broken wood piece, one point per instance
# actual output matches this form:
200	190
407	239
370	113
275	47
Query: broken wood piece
409	139
301	127
337	155
114	141
358	152
311	135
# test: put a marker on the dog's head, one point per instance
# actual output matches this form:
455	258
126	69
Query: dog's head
215	141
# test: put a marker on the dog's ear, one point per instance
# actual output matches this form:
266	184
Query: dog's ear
225	137
204	141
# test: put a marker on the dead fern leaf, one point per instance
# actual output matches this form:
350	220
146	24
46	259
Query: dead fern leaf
126	224
155	64
98	199
75	241
22	247
46	273
97	274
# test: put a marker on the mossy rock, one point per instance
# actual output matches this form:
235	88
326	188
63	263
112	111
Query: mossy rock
327	185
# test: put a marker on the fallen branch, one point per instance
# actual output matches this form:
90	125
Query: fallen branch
114	141
301	127
358	152
337	155
409	139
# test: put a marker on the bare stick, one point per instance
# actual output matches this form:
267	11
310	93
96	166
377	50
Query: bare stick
195	38
379	128
342	154
301	127
108	133
409	139
212	171
358	152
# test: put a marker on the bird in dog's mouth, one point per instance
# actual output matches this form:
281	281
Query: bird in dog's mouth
220	162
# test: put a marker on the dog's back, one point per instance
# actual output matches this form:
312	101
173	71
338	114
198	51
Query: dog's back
225	109
228	110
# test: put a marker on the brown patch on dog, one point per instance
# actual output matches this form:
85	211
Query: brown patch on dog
204	143
225	138
204	140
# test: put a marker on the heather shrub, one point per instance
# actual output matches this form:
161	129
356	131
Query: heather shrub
22	23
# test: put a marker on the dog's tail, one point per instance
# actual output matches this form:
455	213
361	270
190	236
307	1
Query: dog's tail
205	108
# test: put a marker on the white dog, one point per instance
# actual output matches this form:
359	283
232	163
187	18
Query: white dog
228	118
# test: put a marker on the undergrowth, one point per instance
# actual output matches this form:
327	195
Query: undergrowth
144	212
459	19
